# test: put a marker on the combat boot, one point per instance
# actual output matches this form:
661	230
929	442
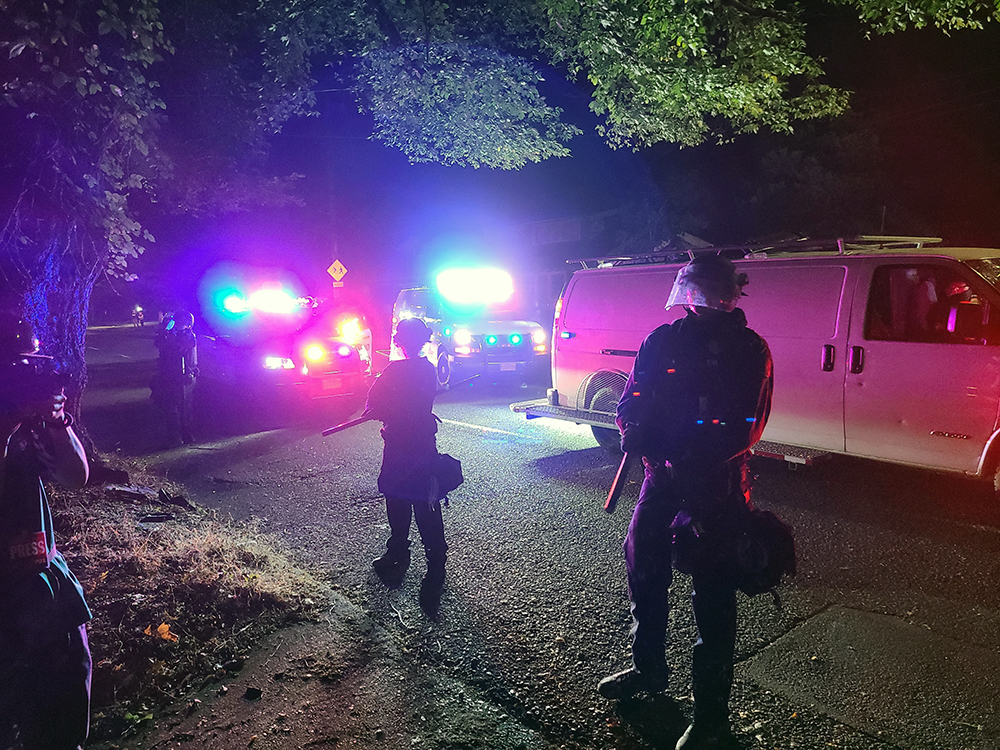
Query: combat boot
431	588
630	682
391	567
708	737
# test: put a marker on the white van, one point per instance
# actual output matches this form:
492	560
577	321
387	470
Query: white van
884	347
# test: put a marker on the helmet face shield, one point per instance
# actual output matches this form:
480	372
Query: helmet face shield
707	281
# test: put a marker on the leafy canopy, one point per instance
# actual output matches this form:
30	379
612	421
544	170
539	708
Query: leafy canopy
463	82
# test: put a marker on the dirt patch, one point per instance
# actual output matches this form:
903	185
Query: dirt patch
335	683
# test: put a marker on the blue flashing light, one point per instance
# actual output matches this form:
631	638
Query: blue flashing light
235	303
515	339
491	340
699	421
446	331
751	419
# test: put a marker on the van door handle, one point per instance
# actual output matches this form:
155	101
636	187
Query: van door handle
829	354
857	363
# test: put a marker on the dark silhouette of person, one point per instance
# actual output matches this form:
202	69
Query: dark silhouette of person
943	314
697	399
44	654
177	368
402	398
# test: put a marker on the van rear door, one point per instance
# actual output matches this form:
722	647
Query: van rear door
922	386
606	314
801	308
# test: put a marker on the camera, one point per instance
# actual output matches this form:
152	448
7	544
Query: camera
28	381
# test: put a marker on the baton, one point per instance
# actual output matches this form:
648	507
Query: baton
463	381
618	485
347	425
366	417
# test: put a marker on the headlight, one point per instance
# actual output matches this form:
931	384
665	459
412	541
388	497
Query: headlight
463	337
538	336
278	363
315	352
344	350
350	331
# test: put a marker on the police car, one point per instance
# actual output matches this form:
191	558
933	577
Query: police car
477	325
273	341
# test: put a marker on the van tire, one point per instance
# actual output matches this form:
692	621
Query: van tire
443	369
608	439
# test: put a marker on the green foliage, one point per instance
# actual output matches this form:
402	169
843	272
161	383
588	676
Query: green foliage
888	16
78	98
461	105
686	72
456	83
83	104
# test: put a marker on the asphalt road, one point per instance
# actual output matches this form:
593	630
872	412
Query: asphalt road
886	638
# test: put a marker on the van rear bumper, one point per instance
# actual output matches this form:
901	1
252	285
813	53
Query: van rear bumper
790	453
541	407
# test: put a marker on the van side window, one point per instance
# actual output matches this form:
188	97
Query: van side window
925	303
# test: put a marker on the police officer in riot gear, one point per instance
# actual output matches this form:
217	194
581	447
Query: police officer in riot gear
696	401
177	368
44	655
402	399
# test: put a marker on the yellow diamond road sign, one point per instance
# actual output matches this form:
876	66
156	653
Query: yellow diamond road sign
337	270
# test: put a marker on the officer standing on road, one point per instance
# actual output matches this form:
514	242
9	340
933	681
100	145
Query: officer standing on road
697	399
44	655
177	368
402	399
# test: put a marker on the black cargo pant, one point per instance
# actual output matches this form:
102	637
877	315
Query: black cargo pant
430	524
172	396
45	689
648	562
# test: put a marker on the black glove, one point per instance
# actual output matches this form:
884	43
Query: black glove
632	439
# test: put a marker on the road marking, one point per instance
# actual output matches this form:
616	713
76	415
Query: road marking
480	427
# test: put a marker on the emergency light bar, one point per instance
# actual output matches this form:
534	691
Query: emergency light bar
269	300
475	286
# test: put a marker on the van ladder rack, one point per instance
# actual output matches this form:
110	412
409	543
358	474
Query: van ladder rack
839	246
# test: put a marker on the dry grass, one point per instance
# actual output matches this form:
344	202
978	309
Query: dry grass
177	600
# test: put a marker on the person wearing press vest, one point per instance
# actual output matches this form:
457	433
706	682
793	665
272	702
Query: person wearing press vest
45	665
696	401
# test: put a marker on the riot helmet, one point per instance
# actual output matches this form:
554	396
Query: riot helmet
412	334
708	281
